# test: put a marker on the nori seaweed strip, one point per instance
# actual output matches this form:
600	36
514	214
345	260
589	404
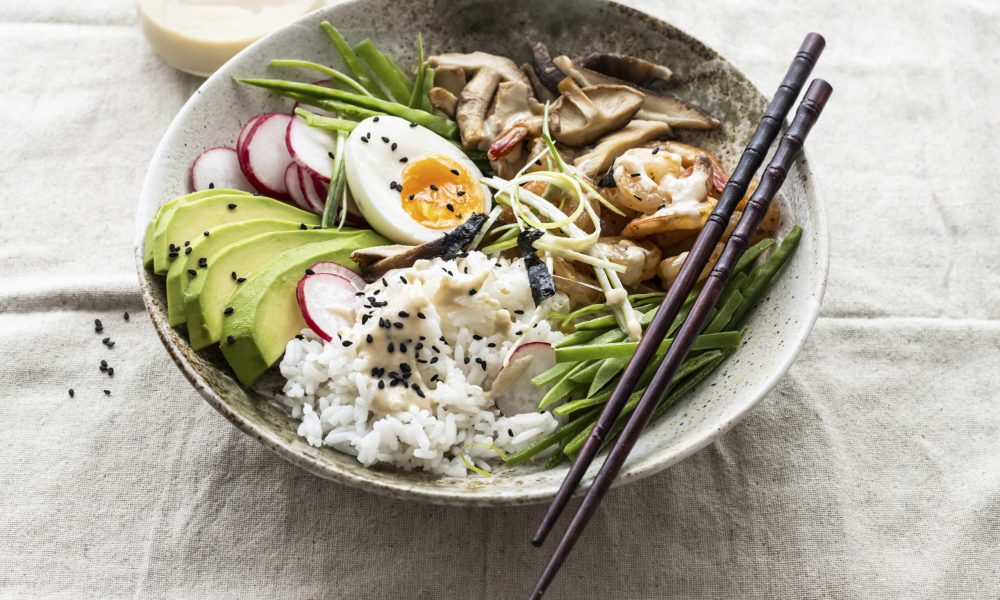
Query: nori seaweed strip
539	278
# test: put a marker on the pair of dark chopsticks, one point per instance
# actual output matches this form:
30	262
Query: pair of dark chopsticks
753	156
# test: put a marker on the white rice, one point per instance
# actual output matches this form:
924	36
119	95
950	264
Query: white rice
330	386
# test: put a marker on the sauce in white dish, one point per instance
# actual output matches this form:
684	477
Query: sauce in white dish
198	36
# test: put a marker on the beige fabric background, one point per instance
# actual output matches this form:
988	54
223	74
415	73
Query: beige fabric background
872	471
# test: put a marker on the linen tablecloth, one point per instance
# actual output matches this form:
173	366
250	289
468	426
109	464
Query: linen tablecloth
872	471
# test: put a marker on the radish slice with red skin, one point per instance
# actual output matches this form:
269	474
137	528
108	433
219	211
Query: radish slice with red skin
341	270
245	130
314	199
512	390
264	156
218	167
327	302
311	147
295	193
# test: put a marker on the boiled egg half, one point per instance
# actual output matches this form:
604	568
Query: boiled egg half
409	183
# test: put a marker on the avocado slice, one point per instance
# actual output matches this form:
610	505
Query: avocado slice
190	219
266	314
168	207
208	293
211	241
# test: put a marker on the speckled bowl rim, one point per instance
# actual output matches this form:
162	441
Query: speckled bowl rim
633	471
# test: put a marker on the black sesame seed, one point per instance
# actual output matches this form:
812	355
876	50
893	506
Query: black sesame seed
655	150
416	388
381	384
105	341
111	371
187	243
434	187
374	119
107	392
450	207
419	346
110	344
205	233
228	311
385	139
299	336
403	160
391	348
364	318
192	272
435	348
71	393
412	196
397	325
433	360
330	154
467	360
187	250
421	361
369	338
413	124
460	193
404	367
455	172
385	283
230	339
203	262
472	291
303	227
519	312
240	279
491	345
403	279
346	343
364	139
477	337
104	364
310	272
376	292
172	254
635	174
211	186
422	338
421	315
232	205
233	275
404	314
519	332
393	146
402	347
99	329
637	197
510	432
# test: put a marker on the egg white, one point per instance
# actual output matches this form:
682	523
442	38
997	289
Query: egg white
373	165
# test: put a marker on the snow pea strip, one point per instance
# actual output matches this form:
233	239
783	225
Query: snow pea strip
439	125
752	253
351	60
554	374
765	274
578	337
418	85
562	433
425	101
725	314
393	80
331	73
609	369
343	109
711	341
327	123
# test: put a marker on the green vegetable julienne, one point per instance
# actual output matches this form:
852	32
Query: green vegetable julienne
351	60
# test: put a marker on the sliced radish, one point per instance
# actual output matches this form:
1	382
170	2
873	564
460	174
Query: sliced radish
327	302
264	156
339	269
218	167
512	390
245	130
295	193
311	147
314	199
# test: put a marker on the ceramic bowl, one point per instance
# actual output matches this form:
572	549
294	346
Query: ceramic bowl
214	114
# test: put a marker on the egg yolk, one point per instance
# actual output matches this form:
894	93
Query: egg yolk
439	193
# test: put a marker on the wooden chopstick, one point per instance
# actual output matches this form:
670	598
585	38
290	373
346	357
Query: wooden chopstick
750	161
788	150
